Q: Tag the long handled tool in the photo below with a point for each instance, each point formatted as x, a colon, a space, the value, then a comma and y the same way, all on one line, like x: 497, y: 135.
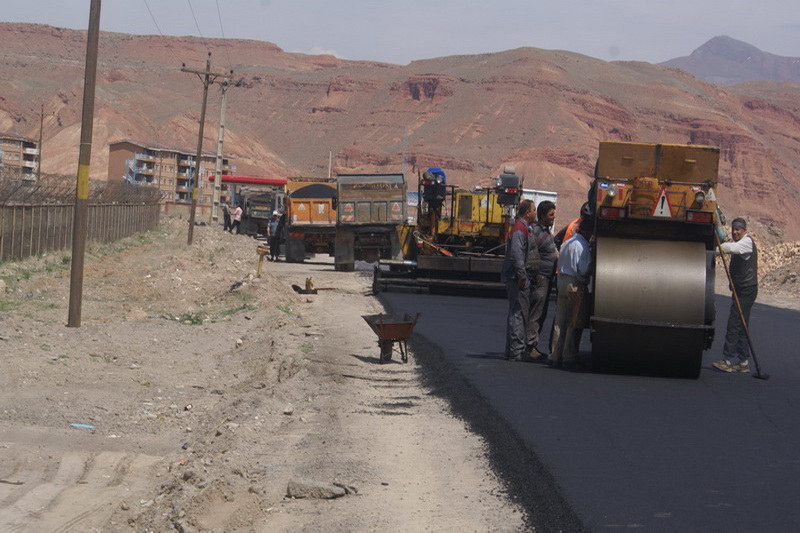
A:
x: 758, y: 374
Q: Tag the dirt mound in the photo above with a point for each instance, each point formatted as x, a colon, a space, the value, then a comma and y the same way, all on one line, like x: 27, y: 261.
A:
x: 778, y: 269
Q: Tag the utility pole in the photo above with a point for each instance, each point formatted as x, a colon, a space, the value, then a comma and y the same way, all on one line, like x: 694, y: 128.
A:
x: 81, y: 216
x: 207, y: 77
x: 41, y: 127
x: 220, y: 138
x: 405, y: 148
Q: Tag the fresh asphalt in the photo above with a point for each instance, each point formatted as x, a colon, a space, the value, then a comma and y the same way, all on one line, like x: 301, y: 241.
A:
x: 721, y: 453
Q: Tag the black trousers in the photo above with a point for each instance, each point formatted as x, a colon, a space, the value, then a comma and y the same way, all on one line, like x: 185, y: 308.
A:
x: 736, y: 345
x: 274, y: 247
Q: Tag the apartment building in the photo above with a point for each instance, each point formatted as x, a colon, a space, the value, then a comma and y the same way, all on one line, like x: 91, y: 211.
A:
x: 169, y: 168
x: 19, y: 153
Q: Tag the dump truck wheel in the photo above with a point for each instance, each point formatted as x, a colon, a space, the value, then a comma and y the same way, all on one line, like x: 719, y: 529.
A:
x: 295, y: 251
x: 344, y: 267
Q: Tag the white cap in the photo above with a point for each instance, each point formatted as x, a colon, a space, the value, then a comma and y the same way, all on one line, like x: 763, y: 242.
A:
x: 274, y: 213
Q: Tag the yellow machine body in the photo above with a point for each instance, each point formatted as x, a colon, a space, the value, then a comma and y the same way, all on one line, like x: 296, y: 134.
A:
x: 653, y: 300
x: 476, y: 217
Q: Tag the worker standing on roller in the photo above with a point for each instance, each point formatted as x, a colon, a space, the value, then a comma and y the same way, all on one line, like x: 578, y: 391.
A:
x: 517, y: 282
x: 574, y: 268
x: 744, y: 277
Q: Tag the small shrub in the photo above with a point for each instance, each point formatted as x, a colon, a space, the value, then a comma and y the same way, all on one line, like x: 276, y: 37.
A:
x: 286, y: 309
x: 192, y: 319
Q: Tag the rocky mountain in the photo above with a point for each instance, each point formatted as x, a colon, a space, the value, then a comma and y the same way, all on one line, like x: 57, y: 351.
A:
x: 542, y: 111
x: 726, y: 61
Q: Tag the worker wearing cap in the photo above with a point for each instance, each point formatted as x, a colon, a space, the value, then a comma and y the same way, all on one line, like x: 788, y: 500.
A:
x: 274, y: 236
x: 517, y: 282
x: 744, y: 278
x: 566, y: 233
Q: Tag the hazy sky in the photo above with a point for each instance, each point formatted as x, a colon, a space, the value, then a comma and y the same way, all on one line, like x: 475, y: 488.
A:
x: 402, y: 31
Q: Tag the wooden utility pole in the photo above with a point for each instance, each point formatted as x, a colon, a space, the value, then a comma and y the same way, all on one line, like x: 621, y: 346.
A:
x: 220, y: 139
x: 81, y: 216
x: 207, y: 77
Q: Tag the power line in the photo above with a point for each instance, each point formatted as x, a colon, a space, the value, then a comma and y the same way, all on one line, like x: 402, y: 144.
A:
x: 224, y: 42
x: 200, y: 33
x: 162, y: 33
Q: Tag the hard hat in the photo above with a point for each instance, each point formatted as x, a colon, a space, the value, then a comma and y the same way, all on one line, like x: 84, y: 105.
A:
x: 275, y: 213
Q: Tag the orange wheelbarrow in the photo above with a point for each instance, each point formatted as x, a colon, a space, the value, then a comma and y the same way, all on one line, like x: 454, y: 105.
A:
x: 392, y: 329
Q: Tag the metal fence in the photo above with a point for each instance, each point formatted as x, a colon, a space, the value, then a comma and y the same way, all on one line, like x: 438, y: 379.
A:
x: 36, y: 216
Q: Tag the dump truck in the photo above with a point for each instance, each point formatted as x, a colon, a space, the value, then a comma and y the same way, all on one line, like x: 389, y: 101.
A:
x: 653, y: 299
x: 310, y: 217
x: 258, y: 203
x: 459, y: 238
x: 370, y: 208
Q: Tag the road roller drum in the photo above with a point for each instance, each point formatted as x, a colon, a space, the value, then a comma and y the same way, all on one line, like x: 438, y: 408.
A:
x: 650, y: 310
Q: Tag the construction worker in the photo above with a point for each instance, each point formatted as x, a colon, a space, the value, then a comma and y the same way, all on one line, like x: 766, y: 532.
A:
x: 226, y: 216
x: 574, y: 268
x: 237, y: 219
x: 542, y: 241
x: 517, y: 282
x: 568, y: 231
x: 274, y: 236
x: 744, y: 278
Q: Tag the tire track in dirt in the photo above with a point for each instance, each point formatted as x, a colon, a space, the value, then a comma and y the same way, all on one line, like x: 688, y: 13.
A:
x: 79, y: 495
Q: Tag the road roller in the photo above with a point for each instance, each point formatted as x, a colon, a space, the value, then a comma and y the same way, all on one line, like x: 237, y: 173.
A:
x: 653, y: 296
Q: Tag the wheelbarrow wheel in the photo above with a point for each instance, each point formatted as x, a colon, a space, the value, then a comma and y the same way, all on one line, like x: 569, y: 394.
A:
x: 386, y: 350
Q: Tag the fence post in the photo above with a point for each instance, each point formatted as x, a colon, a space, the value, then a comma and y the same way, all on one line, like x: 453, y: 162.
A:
x: 48, y: 234
x: 39, y: 232
x: 22, y: 235
x: 2, y: 232
x: 13, y: 229
x: 25, y: 233
x: 90, y: 222
x: 30, y: 232
x: 67, y: 228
